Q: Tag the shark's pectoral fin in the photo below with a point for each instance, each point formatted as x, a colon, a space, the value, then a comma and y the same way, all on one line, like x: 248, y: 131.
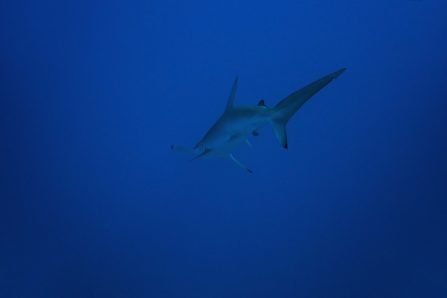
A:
x: 279, y: 127
x: 239, y: 164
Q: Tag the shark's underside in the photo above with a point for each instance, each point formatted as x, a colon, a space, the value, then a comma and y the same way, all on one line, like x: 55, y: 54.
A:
x: 237, y: 123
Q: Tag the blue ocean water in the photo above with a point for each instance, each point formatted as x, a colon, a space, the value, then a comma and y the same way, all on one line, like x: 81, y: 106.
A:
x: 94, y: 203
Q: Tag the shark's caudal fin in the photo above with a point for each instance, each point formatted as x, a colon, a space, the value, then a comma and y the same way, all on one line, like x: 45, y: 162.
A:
x: 232, y: 95
x: 287, y: 107
x: 279, y: 128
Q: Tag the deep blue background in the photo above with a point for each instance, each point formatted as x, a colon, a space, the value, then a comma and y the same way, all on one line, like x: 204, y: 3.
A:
x: 94, y: 204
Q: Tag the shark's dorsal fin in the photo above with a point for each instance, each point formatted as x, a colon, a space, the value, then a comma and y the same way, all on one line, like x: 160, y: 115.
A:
x: 261, y: 103
x: 232, y: 95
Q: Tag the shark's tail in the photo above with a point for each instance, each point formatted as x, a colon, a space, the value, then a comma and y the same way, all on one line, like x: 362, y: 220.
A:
x: 287, y: 107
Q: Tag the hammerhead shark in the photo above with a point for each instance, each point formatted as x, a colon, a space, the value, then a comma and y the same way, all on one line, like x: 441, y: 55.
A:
x: 237, y: 123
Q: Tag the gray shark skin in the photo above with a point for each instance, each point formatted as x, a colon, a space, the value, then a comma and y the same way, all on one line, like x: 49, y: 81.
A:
x: 238, y: 123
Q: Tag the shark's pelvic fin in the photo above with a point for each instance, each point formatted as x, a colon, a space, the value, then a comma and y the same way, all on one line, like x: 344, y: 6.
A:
x: 239, y: 164
x: 232, y: 95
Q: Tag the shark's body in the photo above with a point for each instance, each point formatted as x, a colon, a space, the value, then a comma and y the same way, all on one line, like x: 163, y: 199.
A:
x: 238, y: 123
